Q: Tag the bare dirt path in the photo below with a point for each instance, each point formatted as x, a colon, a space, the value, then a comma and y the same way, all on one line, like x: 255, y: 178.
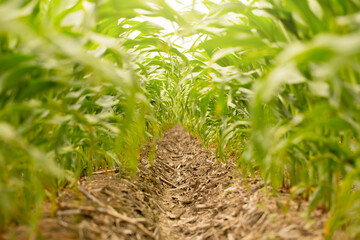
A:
x: 202, y: 200
x: 184, y: 194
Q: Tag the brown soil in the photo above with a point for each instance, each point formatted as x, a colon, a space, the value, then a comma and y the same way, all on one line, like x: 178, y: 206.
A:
x: 185, y: 194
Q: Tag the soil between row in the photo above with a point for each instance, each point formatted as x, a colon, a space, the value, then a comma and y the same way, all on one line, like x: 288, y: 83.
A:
x: 184, y: 194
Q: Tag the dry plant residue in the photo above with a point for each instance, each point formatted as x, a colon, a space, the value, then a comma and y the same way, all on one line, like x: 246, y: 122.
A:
x: 185, y: 194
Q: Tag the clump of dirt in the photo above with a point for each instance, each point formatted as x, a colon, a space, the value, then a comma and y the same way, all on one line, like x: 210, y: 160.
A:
x: 185, y: 194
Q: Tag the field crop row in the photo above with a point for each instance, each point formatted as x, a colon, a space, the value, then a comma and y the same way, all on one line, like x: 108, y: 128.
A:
x: 275, y: 83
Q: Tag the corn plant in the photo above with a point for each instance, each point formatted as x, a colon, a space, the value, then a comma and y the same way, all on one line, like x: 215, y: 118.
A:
x: 278, y: 86
x: 72, y: 96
